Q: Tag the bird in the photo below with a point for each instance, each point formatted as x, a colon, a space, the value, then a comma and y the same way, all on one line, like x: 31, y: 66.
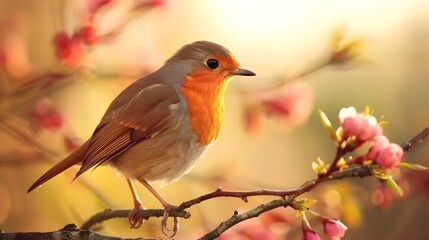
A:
x: 159, y: 126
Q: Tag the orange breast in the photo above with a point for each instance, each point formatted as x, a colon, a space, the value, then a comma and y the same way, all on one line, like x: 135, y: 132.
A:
x: 205, y: 100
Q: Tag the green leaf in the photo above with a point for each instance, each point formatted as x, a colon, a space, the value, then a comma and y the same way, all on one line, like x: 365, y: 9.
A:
x: 328, y: 126
x: 390, y: 183
x: 412, y: 166
x: 380, y: 174
x: 304, y: 203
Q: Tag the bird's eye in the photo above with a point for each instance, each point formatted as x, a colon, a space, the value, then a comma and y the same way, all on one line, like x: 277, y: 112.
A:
x: 212, y: 63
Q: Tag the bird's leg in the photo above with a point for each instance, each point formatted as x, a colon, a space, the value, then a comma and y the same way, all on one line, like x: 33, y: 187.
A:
x: 135, y: 222
x: 167, y: 207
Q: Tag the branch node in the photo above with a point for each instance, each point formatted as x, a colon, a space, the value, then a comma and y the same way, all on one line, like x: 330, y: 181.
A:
x: 235, y: 212
x: 69, y: 227
x: 219, y: 189
x: 244, y: 198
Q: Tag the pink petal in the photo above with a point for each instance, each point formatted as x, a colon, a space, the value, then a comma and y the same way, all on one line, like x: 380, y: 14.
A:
x: 334, y: 228
x: 390, y: 156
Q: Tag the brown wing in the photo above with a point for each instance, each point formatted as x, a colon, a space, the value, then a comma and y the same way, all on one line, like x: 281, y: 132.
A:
x: 147, y: 113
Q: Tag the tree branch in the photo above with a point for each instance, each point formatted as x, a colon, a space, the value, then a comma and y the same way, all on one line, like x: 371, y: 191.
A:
x: 415, y: 140
x: 67, y: 233
x: 146, y: 213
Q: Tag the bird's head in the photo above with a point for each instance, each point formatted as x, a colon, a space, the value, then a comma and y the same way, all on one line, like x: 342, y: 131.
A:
x: 208, y: 63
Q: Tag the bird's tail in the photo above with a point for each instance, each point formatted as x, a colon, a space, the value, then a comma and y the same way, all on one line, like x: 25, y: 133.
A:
x: 74, y: 158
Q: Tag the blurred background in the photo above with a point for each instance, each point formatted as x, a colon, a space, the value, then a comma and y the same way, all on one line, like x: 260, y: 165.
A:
x: 62, y: 63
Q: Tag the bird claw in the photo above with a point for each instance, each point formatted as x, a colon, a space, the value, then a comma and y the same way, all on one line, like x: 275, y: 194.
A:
x: 164, y: 224
x: 135, y: 221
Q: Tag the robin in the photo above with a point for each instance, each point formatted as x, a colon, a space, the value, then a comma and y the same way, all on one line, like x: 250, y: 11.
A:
x: 157, y: 128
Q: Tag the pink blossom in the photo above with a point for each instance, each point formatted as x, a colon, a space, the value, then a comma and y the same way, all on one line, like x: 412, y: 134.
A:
x: 253, y: 120
x: 389, y: 156
x: 309, y: 234
x: 383, y: 153
x: 88, y: 35
x: 334, y: 228
x: 46, y: 116
x: 291, y: 105
x: 157, y: 3
x: 363, y: 127
x: 347, y: 112
x: 150, y: 3
x: 383, y: 197
x: 379, y: 143
x: 68, y: 49
x: 95, y: 5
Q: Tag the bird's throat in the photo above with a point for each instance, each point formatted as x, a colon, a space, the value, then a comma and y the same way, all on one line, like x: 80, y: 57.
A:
x: 205, y: 101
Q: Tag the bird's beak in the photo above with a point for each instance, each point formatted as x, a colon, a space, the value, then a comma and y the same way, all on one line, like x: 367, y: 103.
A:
x: 242, y: 72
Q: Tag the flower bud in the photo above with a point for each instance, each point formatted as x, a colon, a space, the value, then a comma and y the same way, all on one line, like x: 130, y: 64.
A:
x: 390, y: 156
x: 309, y: 234
x: 334, y: 228
x: 46, y: 116
x: 94, y: 5
x: 68, y: 49
x: 88, y: 35
x: 358, y: 125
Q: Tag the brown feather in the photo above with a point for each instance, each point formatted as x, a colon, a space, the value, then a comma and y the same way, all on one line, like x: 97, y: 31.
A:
x: 74, y: 158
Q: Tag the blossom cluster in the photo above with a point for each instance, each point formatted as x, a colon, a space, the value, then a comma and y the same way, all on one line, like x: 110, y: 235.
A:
x: 69, y: 48
x: 355, y: 130
x: 358, y: 128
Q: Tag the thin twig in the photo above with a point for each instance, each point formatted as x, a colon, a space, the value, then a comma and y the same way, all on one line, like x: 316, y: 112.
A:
x: 415, y: 140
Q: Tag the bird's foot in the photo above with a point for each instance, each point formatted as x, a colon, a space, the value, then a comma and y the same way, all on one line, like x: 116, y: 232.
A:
x: 134, y: 220
x: 164, y: 228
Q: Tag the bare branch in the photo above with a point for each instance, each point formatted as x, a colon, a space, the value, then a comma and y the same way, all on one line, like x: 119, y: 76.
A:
x: 147, y: 213
x: 415, y: 140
